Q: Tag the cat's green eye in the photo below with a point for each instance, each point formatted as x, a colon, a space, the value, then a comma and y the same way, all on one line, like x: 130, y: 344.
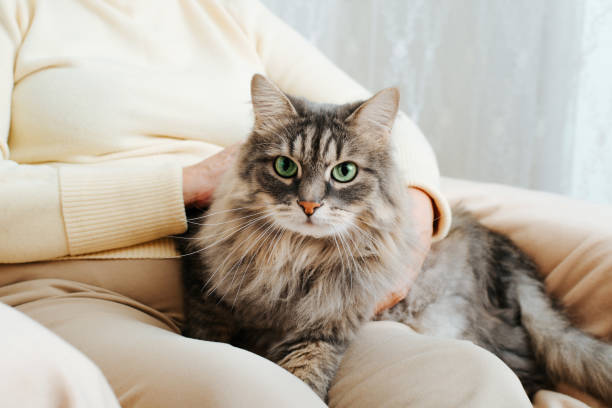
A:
x: 285, y: 167
x: 344, y: 172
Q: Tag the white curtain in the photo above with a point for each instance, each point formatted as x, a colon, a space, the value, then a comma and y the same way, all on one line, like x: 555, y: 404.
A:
x: 510, y: 91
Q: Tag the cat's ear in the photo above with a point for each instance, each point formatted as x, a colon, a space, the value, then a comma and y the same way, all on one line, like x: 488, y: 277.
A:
x: 377, y: 114
x: 270, y: 104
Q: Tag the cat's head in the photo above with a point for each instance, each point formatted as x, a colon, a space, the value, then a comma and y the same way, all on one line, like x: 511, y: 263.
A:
x: 319, y: 170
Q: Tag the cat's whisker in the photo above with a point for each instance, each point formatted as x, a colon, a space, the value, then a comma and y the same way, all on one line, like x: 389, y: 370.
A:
x: 228, y: 256
x: 414, y: 244
x: 358, y: 263
x: 218, y: 212
x: 350, y: 237
x: 233, y: 231
x: 275, y: 240
x: 264, y: 238
x: 375, y: 227
x: 352, y: 259
x: 222, y: 264
x: 230, y: 220
x: 246, y: 223
x: 338, y: 247
x: 234, y: 269
x: 371, y: 239
x: 219, y: 223
x: 207, y: 214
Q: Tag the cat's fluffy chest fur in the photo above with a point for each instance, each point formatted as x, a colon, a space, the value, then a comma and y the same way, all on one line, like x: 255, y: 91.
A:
x: 275, y: 279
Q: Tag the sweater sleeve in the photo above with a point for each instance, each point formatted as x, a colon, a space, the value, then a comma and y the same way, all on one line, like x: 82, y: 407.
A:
x: 298, y: 68
x: 53, y: 211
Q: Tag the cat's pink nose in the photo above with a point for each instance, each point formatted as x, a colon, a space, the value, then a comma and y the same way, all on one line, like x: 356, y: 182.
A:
x: 309, y: 207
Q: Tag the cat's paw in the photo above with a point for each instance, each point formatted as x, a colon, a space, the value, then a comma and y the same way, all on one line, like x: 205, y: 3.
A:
x: 318, y: 384
x: 314, y: 362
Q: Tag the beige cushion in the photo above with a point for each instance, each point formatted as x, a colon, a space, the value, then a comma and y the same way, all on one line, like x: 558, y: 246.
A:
x: 570, y: 240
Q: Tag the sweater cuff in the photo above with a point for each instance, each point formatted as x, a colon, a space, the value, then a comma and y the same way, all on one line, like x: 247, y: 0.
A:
x: 442, y: 211
x: 106, y: 208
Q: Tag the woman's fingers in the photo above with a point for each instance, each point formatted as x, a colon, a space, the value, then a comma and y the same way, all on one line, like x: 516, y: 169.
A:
x: 392, y: 299
x: 201, y: 179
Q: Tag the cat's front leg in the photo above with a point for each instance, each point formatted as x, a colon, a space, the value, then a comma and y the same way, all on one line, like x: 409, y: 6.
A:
x: 208, y: 319
x: 314, y: 361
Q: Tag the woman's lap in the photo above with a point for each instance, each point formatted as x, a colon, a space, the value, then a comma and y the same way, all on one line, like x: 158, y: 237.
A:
x: 148, y: 363
x: 390, y: 365
x: 41, y: 370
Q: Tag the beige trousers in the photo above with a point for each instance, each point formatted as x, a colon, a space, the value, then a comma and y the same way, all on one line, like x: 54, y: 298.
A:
x: 125, y: 317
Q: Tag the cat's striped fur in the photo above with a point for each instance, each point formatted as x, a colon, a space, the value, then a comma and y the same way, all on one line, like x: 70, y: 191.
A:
x: 264, y: 277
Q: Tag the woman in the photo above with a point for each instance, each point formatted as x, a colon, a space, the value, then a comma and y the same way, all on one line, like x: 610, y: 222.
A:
x: 108, y: 108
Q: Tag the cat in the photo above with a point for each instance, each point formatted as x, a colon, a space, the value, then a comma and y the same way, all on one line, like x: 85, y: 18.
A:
x: 310, y: 229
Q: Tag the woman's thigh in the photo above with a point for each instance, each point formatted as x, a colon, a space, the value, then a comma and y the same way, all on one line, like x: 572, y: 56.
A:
x: 41, y: 370
x: 149, y: 364
x: 389, y: 365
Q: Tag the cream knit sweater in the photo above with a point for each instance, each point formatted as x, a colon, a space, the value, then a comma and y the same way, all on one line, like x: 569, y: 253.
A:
x: 102, y: 102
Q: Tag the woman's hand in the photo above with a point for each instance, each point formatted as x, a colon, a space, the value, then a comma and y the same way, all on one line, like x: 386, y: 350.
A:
x: 422, y: 218
x: 200, y: 179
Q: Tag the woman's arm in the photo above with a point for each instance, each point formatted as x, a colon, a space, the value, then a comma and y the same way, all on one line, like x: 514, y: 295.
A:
x: 48, y: 212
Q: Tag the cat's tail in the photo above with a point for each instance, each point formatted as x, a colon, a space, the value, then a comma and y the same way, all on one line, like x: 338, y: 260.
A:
x: 567, y: 353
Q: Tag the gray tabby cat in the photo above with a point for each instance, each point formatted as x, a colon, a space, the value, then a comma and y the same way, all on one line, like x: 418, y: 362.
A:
x: 310, y: 229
